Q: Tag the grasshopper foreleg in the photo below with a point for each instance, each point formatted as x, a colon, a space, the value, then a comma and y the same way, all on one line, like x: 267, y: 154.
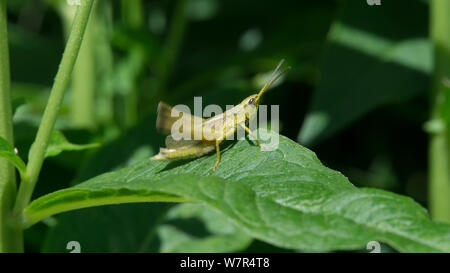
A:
x: 251, y: 133
x: 218, y: 141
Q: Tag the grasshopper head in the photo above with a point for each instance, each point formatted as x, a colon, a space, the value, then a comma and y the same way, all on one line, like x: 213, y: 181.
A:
x: 250, y: 105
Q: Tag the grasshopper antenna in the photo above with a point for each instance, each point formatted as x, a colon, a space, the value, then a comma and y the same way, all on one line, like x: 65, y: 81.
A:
x: 273, y: 78
x: 273, y: 73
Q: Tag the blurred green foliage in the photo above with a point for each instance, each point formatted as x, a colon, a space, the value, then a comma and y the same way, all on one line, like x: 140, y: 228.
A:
x: 356, y: 94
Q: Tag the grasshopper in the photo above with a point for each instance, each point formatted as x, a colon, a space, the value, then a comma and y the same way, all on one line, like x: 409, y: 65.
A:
x: 212, y: 130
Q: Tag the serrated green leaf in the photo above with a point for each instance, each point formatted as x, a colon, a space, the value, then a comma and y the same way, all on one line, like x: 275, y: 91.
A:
x: 285, y: 197
x: 59, y: 143
x: 7, y: 151
x: 184, y: 228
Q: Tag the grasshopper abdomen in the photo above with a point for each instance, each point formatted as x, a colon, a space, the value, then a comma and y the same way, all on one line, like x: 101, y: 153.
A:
x: 185, y: 152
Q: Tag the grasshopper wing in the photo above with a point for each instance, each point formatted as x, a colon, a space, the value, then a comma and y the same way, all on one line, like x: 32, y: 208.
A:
x: 167, y: 116
x: 172, y: 143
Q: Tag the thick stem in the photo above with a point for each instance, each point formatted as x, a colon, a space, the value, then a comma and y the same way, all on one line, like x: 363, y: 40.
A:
x: 37, y: 152
x: 439, y: 157
x: 11, y: 239
x: 82, y: 108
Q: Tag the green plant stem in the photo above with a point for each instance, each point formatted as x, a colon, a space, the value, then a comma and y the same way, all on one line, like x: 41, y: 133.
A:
x: 82, y: 108
x: 37, y: 152
x: 11, y: 239
x: 172, y: 46
x: 439, y: 149
x: 104, y: 52
x: 132, y: 13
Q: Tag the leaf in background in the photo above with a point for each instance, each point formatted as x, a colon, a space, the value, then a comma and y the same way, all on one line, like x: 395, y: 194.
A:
x: 16, y: 103
x: 7, y: 151
x: 296, y: 32
x: 371, y: 59
x: 36, y: 97
x: 198, y: 228
x: 146, y: 228
x: 104, y: 229
x: 142, y: 140
x: 59, y: 143
x: 285, y: 197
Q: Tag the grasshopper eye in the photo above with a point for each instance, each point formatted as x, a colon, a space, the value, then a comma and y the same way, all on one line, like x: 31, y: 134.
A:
x: 251, y: 101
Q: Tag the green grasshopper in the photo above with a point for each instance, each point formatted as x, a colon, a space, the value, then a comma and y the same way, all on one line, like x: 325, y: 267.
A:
x: 212, y: 130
